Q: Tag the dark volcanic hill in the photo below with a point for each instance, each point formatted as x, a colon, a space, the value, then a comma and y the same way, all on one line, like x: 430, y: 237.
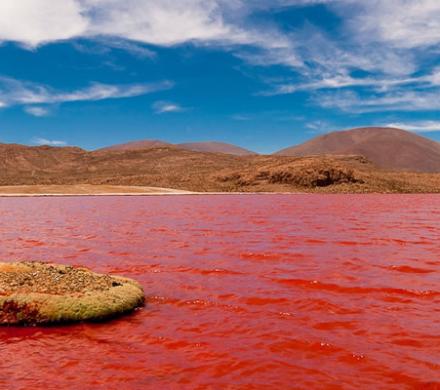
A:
x: 216, y: 147
x: 387, y: 148
x: 136, y: 145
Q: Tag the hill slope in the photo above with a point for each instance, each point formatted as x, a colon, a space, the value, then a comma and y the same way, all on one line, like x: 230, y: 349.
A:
x: 209, y: 147
x: 31, y: 165
x: 386, y: 147
x: 136, y: 145
x: 216, y: 147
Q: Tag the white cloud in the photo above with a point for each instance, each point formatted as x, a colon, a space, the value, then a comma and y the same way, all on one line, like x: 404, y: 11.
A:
x: 419, y: 127
x: 411, y: 100
x: 48, y: 142
x: 381, y: 38
x: 17, y: 92
x: 400, y: 23
x: 332, y: 82
x: 162, y: 107
x: 33, y: 22
x: 163, y: 23
x: 378, y: 37
x: 226, y: 22
x: 166, y: 23
x: 403, y: 23
x: 345, y: 81
x: 37, y: 111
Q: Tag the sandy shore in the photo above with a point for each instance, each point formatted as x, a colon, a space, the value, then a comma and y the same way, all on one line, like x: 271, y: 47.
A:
x: 109, y: 190
x: 85, y: 189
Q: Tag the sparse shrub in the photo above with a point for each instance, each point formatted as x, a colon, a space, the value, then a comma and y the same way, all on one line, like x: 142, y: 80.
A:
x: 311, y: 177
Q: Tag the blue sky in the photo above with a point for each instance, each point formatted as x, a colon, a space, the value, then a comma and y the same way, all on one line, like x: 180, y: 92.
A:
x: 260, y: 74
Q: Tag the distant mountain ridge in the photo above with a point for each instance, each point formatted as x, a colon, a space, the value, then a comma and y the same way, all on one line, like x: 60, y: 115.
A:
x: 387, y: 148
x: 136, y: 145
x: 208, y: 147
x: 216, y: 147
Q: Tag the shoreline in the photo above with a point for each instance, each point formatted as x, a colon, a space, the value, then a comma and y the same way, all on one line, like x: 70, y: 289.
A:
x: 84, y: 190
x: 132, y: 194
x: 78, y: 190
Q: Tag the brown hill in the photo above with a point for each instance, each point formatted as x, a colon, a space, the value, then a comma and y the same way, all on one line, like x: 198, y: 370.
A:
x: 136, y: 145
x: 172, y: 167
x: 209, y: 147
x: 216, y: 147
x: 32, y: 164
x: 386, y: 147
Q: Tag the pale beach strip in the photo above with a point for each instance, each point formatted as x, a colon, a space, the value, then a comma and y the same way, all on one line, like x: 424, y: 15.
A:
x: 109, y: 190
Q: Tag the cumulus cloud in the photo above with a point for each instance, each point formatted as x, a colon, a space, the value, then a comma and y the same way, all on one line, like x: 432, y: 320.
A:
x: 17, y: 92
x: 33, y: 22
x: 163, y: 107
x: 43, y: 141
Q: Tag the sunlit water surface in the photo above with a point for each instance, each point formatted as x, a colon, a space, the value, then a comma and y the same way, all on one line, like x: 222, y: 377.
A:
x: 252, y: 292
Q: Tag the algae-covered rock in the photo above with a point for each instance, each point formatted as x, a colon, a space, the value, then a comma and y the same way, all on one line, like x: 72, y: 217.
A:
x: 34, y: 293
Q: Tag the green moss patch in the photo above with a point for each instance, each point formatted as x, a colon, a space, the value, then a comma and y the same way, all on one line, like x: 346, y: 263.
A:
x: 33, y: 293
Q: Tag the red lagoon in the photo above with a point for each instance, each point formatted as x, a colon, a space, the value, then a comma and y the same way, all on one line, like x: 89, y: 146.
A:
x: 243, y: 292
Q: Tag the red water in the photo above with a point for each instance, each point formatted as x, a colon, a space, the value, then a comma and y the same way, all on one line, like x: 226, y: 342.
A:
x: 244, y: 292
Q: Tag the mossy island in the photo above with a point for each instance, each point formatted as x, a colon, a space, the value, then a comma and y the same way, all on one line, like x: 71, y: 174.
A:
x: 36, y: 293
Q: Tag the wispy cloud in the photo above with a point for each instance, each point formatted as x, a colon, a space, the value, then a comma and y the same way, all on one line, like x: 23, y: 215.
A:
x: 337, y: 82
x: 350, y: 101
x: 319, y: 126
x: 104, y: 45
x: 17, y: 92
x: 37, y: 111
x: 134, y: 48
x: 419, y: 127
x: 163, y: 107
x: 399, y: 23
x: 43, y: 141
x: 241, y: 117
x: 345, y: 81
